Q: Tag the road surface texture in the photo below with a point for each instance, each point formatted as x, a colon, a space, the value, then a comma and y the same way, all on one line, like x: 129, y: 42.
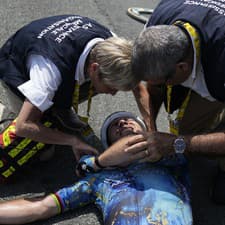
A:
x: 59, y: 171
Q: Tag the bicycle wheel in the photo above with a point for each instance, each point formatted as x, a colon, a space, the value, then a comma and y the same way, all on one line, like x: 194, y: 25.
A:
x: 138, y: 13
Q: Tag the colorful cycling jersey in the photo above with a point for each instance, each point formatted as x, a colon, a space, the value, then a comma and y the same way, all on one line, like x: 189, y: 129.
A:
x: 144, y: 193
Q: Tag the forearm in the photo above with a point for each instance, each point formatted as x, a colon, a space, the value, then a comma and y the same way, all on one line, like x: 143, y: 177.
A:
x: 156, y: 99
x: 212, y: 144
x: 115, y: 155
x: 29, y: 125
x: 23, y: 211
x: 143, y: 102
x: 148, y: 101
x: 40, y: 133
x: 105, y: 159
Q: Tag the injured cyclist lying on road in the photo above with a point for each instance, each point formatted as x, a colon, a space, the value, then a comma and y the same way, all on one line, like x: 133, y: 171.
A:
x: 125, y: 189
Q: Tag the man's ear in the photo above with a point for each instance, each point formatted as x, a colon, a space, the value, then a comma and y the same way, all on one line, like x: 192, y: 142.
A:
x: 183, y: 67
x: 182, y: 72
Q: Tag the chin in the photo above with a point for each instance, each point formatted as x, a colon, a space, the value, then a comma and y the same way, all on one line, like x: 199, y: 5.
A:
x: 127, y: 133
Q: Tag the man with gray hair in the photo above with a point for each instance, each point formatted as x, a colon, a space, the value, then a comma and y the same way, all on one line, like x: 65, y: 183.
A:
x: 180, y: 54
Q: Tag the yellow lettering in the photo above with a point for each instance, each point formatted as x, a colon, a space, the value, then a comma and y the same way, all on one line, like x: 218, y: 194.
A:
x: 9, y: 172
x: 32, y: 152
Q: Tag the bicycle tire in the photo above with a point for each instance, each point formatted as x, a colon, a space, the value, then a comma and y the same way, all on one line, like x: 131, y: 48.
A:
x: 136, y: 13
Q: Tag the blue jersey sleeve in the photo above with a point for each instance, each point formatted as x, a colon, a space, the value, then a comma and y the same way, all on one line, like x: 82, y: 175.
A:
x: 77, y: 195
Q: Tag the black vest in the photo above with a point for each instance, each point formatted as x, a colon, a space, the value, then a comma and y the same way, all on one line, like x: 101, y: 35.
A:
x: 61, y: 39
x: 209, y: 20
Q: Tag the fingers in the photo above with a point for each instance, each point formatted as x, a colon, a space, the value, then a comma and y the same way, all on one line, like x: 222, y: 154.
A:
x: 135, y: 148
x: 135, y: 139
x: 145, y: 155
x: 139, y: 156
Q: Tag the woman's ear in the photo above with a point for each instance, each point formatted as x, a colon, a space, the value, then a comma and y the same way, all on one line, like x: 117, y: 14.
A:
x: 94, y: 67
x: 94, y: 72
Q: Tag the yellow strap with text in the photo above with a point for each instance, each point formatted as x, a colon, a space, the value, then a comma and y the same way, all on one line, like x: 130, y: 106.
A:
x: 174, y: 124
x: 76, y: 101
x: 18, y: 148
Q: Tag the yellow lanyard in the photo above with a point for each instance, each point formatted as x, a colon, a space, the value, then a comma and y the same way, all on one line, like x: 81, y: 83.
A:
x: 76, y: 101
x: 174, y: 123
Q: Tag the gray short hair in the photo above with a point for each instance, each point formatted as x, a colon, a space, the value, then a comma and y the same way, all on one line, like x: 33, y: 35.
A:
x: 114, y: 58
x: 157, y: 50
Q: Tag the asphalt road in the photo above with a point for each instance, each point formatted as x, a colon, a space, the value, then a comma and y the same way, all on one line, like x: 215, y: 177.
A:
x: 49, y: 176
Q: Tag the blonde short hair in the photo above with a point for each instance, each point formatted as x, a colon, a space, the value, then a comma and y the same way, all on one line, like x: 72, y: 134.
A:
x: 114, y: 58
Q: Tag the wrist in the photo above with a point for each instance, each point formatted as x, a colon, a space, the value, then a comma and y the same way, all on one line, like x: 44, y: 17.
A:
x: 98, y: 164
x: 73, y: 141
x: 101, y: 161
x: 180, y: 144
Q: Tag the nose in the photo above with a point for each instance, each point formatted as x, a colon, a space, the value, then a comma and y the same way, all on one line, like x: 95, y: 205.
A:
x: 122, y: 122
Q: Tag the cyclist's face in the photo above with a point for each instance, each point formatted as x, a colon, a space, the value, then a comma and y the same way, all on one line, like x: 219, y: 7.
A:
x: 122, y: 127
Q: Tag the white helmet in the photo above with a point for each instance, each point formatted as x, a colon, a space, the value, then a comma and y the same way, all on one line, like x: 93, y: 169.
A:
x: 111, y: 118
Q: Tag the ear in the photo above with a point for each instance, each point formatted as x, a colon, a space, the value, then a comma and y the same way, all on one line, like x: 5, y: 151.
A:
x: 181, y: 73
x: 94, y: 72
x: 94, y: 67
x: 183, y: 67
